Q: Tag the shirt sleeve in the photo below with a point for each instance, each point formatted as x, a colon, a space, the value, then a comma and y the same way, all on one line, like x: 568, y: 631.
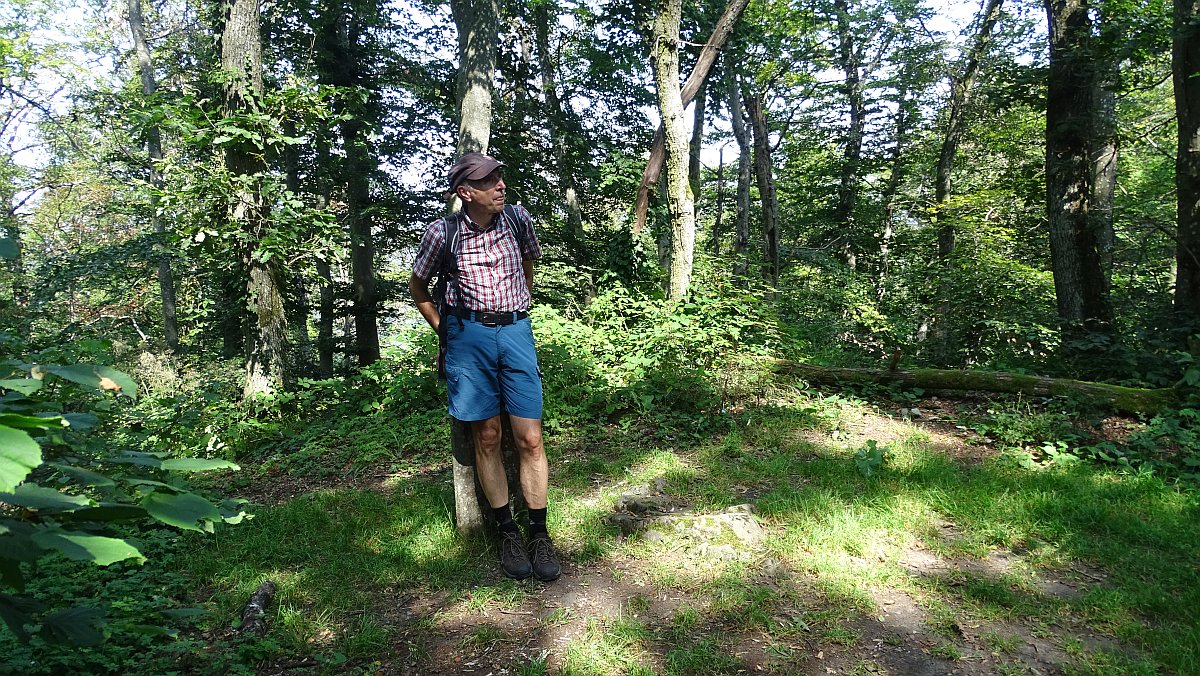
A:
x: 532, y: 250
x: 429, y: 253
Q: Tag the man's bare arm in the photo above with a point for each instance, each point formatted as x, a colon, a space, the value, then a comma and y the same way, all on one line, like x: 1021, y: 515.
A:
x: 419, y: 288
x: 528, y: 265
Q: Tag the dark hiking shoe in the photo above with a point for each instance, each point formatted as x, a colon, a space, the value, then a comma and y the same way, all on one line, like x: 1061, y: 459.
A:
x: 513, y: 559
x: 545, y: 561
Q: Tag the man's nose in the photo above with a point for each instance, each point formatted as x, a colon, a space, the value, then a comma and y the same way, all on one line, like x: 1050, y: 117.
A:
x: 500, y: 185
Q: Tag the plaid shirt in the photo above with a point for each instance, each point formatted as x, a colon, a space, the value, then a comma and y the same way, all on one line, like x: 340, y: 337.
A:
x: 490, y: 274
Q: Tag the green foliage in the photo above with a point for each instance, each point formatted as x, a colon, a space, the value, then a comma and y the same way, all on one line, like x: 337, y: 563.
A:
x: 70, y: 490
x: 871, y: 458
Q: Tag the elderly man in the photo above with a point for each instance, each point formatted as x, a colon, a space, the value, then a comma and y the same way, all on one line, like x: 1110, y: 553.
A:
x: 490, y: 363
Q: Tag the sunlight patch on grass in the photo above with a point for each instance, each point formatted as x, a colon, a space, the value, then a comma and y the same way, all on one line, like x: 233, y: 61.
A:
x: 608, y: 647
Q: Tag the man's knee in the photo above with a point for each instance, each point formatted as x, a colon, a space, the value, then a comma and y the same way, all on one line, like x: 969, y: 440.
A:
x: 487, y: 435
x: 528, y: 437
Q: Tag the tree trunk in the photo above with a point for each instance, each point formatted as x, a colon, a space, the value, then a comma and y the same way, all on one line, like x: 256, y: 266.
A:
x: 1080, y: 285
x: 665, y: 57
x: 241, y: 59
x: 848, y: 61
x: 1185, y: 63
x: 1124, y: 399
x: 478, y: 24
x: 556, y: 118
x: 741, y: 230
x: 166, y: 281
x: 904, y: 115
x: 325, y: 345
x: 697, y: 144
x: 764, y: 173
x: 720, y: 206
x: 960, y: 97
x: 297, y: 286
x: 1104, y: 167
x: 704, y: 64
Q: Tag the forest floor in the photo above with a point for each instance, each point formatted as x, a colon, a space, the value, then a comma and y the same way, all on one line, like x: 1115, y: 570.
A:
x: 778, y: 547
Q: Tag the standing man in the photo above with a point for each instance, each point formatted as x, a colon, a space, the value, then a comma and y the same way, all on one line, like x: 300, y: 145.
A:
x: 490, y: 361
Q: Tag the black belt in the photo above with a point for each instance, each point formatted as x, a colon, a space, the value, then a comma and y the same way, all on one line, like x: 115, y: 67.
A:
x: 489, y: 318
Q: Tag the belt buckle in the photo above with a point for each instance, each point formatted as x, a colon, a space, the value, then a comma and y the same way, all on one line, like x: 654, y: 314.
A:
x: 488, y: 318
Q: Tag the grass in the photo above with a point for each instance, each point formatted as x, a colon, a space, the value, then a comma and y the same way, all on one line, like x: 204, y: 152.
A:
x: 346, y: 560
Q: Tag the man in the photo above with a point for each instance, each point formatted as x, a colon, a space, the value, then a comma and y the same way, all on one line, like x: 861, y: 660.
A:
x: 490, y: 362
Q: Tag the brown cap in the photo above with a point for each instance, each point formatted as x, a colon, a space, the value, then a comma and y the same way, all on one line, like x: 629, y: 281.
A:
x: 472, y: 167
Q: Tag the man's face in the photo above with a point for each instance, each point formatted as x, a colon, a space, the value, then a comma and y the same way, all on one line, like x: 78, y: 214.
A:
x: 487, y: 193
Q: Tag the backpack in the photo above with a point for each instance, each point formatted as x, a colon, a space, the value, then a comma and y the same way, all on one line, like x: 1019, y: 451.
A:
x: 448, y: 270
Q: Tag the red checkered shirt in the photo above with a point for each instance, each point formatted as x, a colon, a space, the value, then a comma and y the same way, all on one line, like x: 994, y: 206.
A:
x: 490, y: 274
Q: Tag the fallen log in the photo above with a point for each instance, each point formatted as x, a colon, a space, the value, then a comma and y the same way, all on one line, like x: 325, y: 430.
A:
x: 1123, y: 399
x: 253, y: 621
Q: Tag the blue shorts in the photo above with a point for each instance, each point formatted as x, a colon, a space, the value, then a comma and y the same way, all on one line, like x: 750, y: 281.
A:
x: 492, y: 367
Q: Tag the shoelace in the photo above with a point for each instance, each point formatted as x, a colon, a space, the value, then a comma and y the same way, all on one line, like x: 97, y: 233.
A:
x: 543, y: 551
x: 512, y: 543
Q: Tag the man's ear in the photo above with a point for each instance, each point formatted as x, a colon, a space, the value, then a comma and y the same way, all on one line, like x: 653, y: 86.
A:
x: 463, y: 193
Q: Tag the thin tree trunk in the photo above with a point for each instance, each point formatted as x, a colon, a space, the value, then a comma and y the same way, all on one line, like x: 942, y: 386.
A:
x: 679, y: 199
x: 166, y: 281
x: 298, y: 318
x: 741, y: 229
x: 903, y: 122
x: 325, y: 346
x: 241, y: 58
x: 1080, y: 285
x: 1185, y: 63
x: 704, y: 64
x: 1104, y: 154
x: 720, y: 206
x: 696, y: 144
x: 556, y: 118
x: 960, y: 98
x: 848, y: 61
x: 764, y: 173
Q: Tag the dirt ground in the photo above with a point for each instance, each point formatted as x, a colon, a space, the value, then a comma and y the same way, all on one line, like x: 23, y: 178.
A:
x: 441, y: 635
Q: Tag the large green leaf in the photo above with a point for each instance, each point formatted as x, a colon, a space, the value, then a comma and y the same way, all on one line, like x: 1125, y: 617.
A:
x: 25, y: 386
x: 83, y: 547
x: 31, y: 422
x: 84, y: 476
x: 33, y: 496
x: 15, y: 611
x: 182, y: 510
x: 197, y: 464
x: 113, y: 511
x: 81, y: 422
x: 98, y: 377
x: 78, y: 626
x: 9, y: 248
x: 19, y: 454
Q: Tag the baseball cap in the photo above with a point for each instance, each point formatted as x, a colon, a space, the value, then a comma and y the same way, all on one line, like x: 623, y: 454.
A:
x: 472, y: 167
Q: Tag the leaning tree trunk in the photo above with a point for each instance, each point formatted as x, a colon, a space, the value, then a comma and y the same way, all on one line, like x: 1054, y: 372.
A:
x: 670, y: 105
x: 1185, y: 63
x: 704, y: 64
x: 741, y: 230
x: 166, y: 281
x: 1080, y: 285
x: 241, y: 59
x: 764, y: 173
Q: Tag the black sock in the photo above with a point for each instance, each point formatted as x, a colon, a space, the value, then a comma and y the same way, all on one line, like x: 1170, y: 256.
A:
x: 504, y: 520
x: 537, y: 522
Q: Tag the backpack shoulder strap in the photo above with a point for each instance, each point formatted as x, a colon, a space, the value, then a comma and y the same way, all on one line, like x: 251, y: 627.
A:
x: 517, y: 225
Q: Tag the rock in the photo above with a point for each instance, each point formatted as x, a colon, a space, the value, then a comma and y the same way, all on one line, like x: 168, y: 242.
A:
x: 914, y: 412
x: 653, y: 536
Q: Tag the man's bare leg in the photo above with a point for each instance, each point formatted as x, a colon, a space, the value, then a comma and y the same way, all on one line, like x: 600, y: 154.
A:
x: 535, y: 471
x: 489, y: 460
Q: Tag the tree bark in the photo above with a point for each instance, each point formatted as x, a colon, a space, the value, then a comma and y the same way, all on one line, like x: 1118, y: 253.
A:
x: 764, y: 174
x: 1080, y: 285
x: 719, y: 209
x: 241, y: 59
x: 1124, y: 399
x: 1185, y: 63
x: 325, y: 345
x: 741, y: 230
x: 697, y: 144
x: 166, y: 281
x: 704, y: 64
x: 478, y: 24
x: 665, y: 56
